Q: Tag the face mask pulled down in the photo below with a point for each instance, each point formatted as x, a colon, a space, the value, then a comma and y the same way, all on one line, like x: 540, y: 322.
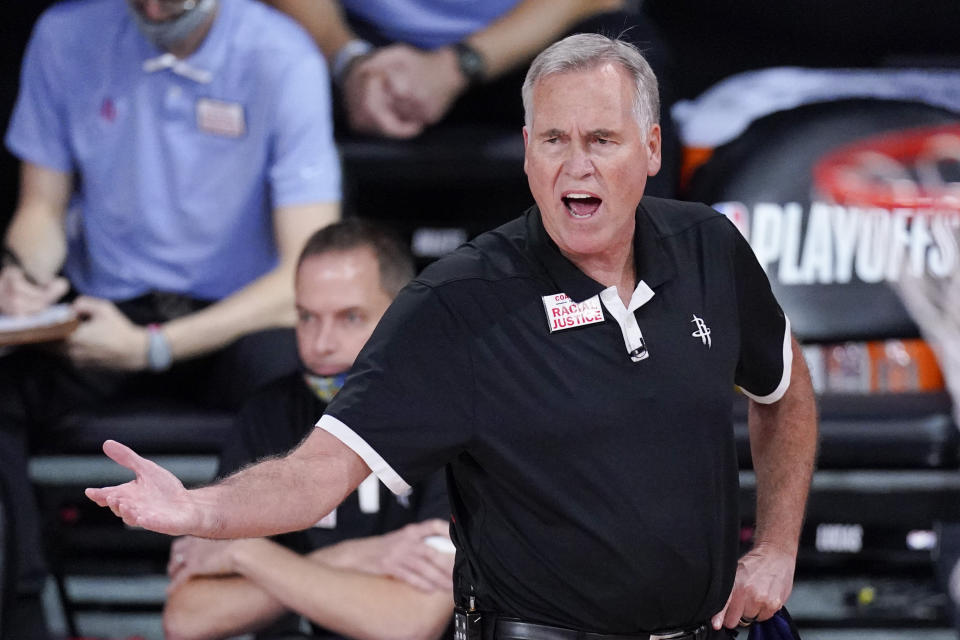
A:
x: 325, y: 387
x: 166, y: 34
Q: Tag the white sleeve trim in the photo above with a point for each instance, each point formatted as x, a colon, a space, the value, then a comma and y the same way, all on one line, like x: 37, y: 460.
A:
x: 781, y: 389
x: 358, y: 445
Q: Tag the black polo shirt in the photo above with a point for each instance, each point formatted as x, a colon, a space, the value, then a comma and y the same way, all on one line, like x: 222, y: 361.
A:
x: 592, y: 472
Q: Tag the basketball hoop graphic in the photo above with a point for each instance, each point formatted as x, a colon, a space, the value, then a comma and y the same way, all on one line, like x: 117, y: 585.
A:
x: 909, y: 183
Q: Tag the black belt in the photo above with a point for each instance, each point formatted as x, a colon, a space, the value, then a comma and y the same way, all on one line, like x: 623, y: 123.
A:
x: 512, y: 629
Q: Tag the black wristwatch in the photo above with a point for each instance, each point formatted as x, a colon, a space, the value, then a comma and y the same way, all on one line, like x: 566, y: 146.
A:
x: 471, y: 62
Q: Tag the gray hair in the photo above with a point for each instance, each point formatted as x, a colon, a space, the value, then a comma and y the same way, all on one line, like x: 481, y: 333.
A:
x: 583, y: 51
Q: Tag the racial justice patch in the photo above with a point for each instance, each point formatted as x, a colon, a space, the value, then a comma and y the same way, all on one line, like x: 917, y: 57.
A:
x: 564, y: 313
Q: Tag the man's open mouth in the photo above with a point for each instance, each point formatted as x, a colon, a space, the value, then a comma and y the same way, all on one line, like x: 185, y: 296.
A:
x: 581, y: 205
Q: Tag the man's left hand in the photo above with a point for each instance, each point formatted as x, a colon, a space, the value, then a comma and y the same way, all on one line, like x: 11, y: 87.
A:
x: 763, y: 584
x: 402, y: 554
x: 190, y: 557
x: 423, y: 83
x: 430, y: 85
x: 106, y: 338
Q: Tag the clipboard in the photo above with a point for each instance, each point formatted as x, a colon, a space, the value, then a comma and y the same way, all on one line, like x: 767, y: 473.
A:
x: 51, y: 324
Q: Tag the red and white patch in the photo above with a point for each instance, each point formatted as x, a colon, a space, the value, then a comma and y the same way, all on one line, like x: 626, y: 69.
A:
x: 221, y: 118
x: 564, y: 313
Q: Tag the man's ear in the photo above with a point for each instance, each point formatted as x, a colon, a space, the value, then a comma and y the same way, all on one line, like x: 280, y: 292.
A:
x: 526, y: 142
x: 654, y: 159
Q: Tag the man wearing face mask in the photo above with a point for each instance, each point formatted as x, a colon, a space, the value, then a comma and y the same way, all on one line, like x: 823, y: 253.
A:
x: 174, y: 156
x: 366, y: 569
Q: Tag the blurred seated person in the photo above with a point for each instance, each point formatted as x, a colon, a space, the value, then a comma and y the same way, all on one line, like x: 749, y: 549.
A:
x: 174, y: 157
x: 403, y: 65
x: 364, y: 571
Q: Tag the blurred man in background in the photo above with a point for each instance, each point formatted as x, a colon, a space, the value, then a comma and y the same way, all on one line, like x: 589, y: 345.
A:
x: 364, y: 570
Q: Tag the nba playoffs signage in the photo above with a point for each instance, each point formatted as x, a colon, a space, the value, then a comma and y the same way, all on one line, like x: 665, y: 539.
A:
x: 821, y: 243
x: 844, y: 203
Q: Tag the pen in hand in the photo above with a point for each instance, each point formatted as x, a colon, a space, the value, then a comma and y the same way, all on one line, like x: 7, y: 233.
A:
x: 22, y: 293
x: 11, y: 258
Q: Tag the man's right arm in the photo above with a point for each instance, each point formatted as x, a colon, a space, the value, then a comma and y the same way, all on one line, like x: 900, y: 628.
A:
x: 37, y: 238
x: 206, y: 608
x: 274, y: 496
x: 274, y: 580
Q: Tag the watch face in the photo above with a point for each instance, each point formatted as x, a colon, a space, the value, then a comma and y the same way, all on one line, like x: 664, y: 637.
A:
x: 471, y: 62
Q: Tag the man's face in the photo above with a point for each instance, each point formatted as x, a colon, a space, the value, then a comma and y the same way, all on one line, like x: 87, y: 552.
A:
x: 587, y: 159
x: 161, y: 10
x: 339, y: 302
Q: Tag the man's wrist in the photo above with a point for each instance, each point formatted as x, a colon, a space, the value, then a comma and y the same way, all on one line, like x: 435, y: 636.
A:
x: 763, y: 545
x: 348, y: 55
x: 240, y: 553
x: 341, y: 555
x: 472, y: 64
x: 159, y: 351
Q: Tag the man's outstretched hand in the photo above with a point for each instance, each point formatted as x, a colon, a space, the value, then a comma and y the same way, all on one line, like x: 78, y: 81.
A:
x: 154, y: 500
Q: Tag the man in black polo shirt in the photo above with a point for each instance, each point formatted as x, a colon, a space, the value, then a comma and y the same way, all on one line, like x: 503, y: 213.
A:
x: 366, y: 569
x: 573, y: 370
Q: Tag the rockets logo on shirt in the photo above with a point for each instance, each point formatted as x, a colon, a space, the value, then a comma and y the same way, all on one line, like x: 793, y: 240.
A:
x: 564, y: 313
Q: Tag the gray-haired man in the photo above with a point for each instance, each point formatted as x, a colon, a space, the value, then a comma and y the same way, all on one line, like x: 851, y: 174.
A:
x: 572, y: 369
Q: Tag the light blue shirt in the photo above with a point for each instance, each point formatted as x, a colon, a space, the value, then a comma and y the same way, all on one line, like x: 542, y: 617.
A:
x: 428, y: 24
x: 176, y: 178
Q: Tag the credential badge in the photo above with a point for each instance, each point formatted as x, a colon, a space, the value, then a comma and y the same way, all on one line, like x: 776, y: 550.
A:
x: 221, y: 118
